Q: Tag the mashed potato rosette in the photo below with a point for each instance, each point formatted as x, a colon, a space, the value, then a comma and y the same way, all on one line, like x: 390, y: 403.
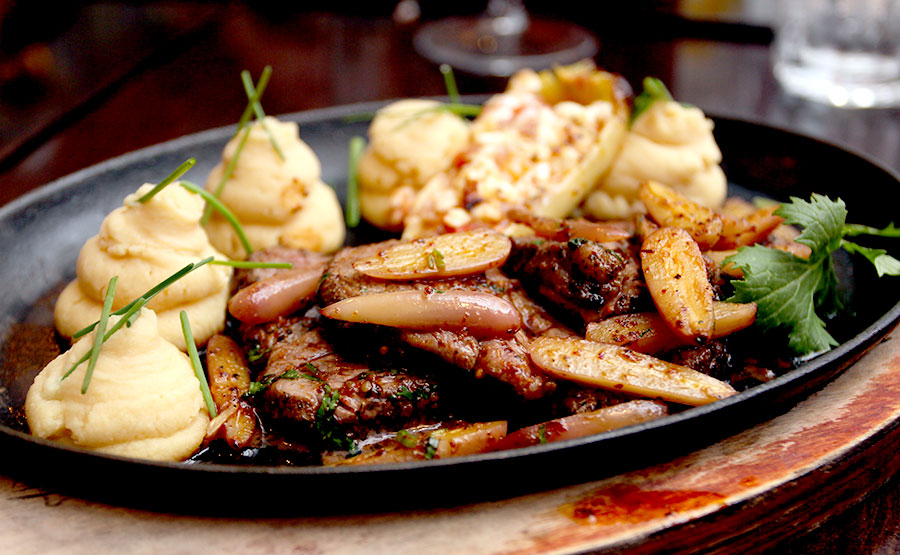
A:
x: 410, y: 141
x: 144, y: 400
x: 670, y: 143
x: 278, y: 201
x: 144, y: 243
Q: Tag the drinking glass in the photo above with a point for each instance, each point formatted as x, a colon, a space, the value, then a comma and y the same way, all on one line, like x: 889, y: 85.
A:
x: 503, y: 40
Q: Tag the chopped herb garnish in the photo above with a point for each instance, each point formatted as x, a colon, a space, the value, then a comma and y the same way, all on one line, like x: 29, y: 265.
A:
x: 351, y: 210
x: 179, y: 171
x: 654, y: 90
x: 266, y: 381
x: 223, y: 210
x: 101, y: 331
x: 407, y: 439
x: 254, y: 354
x: 326, y: 425
x: 542, y: 434
x: 195, y: 363
x: 435, y: 260
x: 576, y: 242
x: 257, y: 107
x: 406, y: 393
x: 431, y: 446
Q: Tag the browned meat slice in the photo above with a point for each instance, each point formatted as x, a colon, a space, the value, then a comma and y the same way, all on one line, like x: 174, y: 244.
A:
x: 314, y: 385
x: 713, y: 358
x: 589, y: 278
x: 505, y: 359
x: 299, y: 258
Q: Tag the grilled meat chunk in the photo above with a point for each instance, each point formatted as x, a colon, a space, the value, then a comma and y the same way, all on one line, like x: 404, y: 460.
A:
x: 505, y: 359
x: 312, y: 382
x: 578, y: 276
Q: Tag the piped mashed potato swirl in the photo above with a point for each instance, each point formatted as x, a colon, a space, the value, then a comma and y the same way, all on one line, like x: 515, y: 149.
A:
x: 144, y: 400
x: 144, y: 243
x: 277, y: 201
x: 670, y: 143
x: 410, y: 141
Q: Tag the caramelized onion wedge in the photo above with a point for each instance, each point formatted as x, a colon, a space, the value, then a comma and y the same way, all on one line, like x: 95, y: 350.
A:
x: 749, y: 230
x: 585, y: 424
x: 279, y: 295
x: 451, y: 254
x: 676, y: 278
x: 482, y: 314
x: 646, y: 332
x: 229, y: 380
x: 455, y: 442
x: 620, y: 369
x: 670, y: 208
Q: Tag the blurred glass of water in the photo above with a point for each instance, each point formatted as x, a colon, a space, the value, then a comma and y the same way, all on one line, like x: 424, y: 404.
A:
x: 841, y: 52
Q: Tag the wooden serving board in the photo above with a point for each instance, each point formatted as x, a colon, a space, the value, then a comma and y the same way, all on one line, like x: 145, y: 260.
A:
x: 745, y: 493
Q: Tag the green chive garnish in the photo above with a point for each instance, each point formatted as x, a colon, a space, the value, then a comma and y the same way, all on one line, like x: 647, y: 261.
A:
x: 152, y: 292
x: 179, y: 171
x: 252, y: 265
x: 254, y: 98
x: 226, y: 175
x: 101, y: 331
x: 450, y: 83
x: 135, y: 309
x: 223, y: 210
x: 195, y: 363
x: 257, y: 108
x: 351, y: 211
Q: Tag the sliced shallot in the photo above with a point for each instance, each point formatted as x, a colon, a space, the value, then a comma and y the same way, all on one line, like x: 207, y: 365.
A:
x: 448, y: 255
x: 278, y: 295
x: 620, y: 369
x: 585, y: 424
x: 482, y: 314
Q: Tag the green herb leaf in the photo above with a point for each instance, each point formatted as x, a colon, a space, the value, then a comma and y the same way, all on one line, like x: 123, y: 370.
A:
x: 223, y: 210
x: 101, y: 331
x: 852, y: 230
x: 788, y: 290
x: 328, y: 428
x: 179, y: 171
x: 435, y: 260
x: 195, y: 363
x: 542, y: 434
x: 266, y: 381
x: 884, y: 263
x: 407, y: 439
x: 654, y: 90
x: 431, y: 446
x: 351, y: 210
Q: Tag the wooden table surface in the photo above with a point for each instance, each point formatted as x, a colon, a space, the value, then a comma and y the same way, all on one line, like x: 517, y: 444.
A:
x: 109, y: 79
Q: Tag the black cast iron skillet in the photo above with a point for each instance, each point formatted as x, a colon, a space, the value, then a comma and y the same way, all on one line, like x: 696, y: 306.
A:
x: 41, y: 234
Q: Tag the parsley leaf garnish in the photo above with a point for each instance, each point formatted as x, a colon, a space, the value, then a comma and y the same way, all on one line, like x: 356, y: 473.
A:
x: 327, y: 426
x: 788, y: 290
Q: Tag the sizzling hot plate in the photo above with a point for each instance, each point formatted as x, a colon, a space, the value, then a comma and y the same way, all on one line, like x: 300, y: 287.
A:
x: 42, y: 233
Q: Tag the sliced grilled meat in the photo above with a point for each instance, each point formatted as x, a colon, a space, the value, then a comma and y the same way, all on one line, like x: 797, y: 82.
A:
x: 330, y: 393
x: 505, y: 359
x: 579, y: 276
